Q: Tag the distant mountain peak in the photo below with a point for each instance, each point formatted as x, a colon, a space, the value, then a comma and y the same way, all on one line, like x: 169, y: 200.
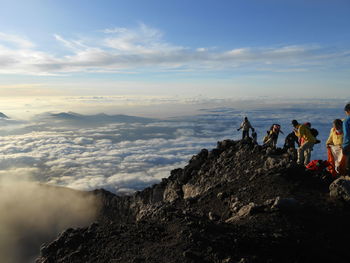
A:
x: 80, y: 119
x: 69, y: 114
x: 3, y: 116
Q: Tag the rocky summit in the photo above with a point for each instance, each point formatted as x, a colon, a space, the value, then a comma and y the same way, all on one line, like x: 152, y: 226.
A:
x: 239, y: 202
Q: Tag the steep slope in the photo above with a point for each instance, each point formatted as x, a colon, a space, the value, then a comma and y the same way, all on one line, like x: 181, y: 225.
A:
x: 237, y: 203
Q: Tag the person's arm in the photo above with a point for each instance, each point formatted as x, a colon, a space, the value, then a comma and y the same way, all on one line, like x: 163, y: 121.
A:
x: 297, y: 132
x: 346, y: 131
x: 330, y: 138
x: 250, y: 126
x: 296, y: 139
x: 240, y: 127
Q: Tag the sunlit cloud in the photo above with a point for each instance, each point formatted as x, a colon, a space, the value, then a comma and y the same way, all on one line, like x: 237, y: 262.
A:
x: 121, y: 157
x: 145, y: 48
x: 82, y: 152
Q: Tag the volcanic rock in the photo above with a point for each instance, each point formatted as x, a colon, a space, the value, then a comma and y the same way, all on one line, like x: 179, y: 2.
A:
x: 235, y: 203
x: 340, y: 188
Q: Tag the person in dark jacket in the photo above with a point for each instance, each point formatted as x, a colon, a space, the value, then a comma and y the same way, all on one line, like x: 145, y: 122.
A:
x: 346, y: 138
x: 254, y: 136
x: 290, y: 141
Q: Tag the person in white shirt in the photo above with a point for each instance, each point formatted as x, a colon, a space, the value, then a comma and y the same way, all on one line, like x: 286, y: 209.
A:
x: 245, y: 126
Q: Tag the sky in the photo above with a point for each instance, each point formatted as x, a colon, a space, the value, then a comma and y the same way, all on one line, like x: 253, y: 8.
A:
x: 215, y: 49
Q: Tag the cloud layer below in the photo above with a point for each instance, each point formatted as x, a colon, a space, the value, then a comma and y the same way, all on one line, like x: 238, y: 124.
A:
x: 124, y: 156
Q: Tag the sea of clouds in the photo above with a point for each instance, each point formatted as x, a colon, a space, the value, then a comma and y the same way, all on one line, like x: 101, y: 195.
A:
x: 119, y: 153
x: 124, y: 154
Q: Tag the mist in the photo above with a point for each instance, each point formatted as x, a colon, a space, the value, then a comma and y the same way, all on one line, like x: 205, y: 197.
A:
x: 32, y: 214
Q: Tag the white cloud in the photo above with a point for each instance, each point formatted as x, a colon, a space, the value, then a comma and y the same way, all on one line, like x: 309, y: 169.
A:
x: 15, y: 40
x: 74, y: 45
x: 90, y: 158
x: 144, y: 48
x: 143, y: 40
x: 202, y: 49
x: 115, y: 30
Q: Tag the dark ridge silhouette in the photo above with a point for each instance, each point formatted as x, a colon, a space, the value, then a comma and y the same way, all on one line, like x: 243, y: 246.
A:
x: 79, y: 119
x: 3, y: 116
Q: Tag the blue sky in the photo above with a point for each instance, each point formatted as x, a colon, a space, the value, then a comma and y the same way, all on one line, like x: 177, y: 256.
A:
x: 213, y: 48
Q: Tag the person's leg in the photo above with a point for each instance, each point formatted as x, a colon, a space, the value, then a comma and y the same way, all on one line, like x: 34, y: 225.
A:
x: 307, y: 156
x: 244, y: 134
x: 337, y: 154
x: 307, y: 153
x: 347, y: 164
x: 331, y: 159
x: 274, y: 142
x: 301, y: 155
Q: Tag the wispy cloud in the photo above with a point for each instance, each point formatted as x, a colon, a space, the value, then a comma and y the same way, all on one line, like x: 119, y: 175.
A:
x: 115, y: 30
x: 73, y: 45
x: 145, y: 49
x: 16, y: 41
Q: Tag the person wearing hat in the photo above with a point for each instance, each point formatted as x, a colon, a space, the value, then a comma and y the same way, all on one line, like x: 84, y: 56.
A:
x: 307, y: 142
x: 346, y: 139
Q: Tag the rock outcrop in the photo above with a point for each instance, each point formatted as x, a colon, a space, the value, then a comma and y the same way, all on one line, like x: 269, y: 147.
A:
x: 236, y: 203
x: 340, y: 188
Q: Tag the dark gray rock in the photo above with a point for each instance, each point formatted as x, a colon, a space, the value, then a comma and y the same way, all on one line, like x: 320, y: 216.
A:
x: 226, y: 205
x: 340, y: 189
x: 285, y: 204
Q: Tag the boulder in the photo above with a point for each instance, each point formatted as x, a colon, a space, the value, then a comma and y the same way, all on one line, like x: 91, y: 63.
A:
x: 172, y: 192
x: 243, y: 212
x: 340, y: 188
x: 190, y: 191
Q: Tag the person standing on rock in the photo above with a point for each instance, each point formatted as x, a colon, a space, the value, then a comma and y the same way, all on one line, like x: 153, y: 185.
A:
x: 307, y: 142
x: 245, y: 126
x: 334, y: 148
x: 346, y: 138
x: 272, y: 136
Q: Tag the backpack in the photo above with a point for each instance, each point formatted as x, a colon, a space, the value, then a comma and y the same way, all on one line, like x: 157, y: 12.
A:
x: 290, y: 140
x: 317, y: 165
